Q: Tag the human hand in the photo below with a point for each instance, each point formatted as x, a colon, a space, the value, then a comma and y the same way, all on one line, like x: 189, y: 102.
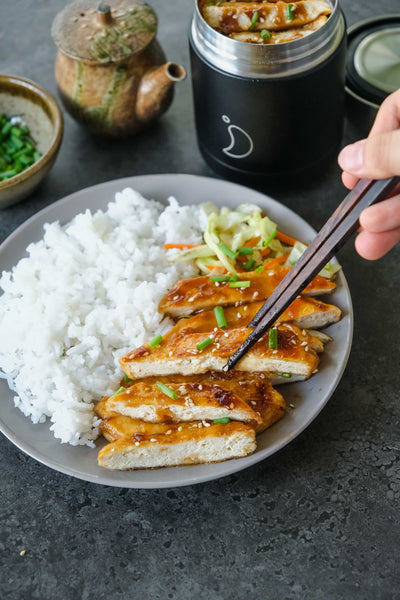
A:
x: 377, y: 157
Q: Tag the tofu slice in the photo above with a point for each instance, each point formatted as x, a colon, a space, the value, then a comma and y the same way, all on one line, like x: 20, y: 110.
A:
x: 253, y: 388
x: 194, y: 402
x: 192, y: 445
x: 200, y: 293
x: 230, y: 17
x: 303, y: 312
x: 180, y: 355
x: 279, y: 37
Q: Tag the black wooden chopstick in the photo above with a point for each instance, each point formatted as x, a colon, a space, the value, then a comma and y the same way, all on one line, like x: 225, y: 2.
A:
x: 332, y: 236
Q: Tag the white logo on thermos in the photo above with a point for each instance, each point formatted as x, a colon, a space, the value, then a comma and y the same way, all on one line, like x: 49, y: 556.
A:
x: 231, y: 129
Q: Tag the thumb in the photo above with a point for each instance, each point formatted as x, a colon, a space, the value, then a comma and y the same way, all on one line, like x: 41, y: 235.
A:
x: 376, y: 157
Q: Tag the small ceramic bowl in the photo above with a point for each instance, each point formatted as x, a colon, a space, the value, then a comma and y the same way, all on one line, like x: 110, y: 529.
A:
x: 40, y: 112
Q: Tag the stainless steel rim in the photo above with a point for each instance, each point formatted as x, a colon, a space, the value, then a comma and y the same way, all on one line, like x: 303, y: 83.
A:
x: 267, y: 61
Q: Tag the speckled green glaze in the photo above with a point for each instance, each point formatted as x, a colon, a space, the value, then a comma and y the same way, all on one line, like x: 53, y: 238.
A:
x: 104, y: 44
x: 101, y: 113
x: 77, y: 94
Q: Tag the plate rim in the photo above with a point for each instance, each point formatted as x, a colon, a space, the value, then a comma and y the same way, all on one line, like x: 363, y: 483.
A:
x: 229, y: 466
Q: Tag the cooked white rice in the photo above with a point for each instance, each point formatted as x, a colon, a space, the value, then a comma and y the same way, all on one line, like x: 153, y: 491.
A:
x: 85, y: 295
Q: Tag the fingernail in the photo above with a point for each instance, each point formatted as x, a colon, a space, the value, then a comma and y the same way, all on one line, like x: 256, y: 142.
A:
x: 351, y: 157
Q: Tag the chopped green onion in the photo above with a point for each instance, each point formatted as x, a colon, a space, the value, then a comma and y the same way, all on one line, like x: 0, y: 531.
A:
x: 166, y: 390
x: 157, y: 339
x: 234, y: 278
x: 222, y: 420
x: 254, y: 20
x: 220, y: 278
x: 249, y: 265
x: 265, y: 34
x: 239, y: 284
x: 121, y: 389
x: 245, y: 250
x: 273, y: 338
x: 259, y: 269
x: 271, y: 237
x: 219, y: 315
x: 127, y: 379
x: 290, y: 11
x: 17, y: 149
x: 201, y: 345
x: 287, y: 375
x: 227, y: 251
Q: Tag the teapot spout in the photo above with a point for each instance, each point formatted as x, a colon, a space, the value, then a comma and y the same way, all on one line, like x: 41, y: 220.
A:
x: 156, y: 90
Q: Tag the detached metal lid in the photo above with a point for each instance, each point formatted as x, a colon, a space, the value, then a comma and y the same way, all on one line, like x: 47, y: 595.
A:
x: 373, y: 66
x: 105, y: 32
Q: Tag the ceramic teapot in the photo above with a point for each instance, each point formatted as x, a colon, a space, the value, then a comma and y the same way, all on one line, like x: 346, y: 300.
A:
x: 111, y: 73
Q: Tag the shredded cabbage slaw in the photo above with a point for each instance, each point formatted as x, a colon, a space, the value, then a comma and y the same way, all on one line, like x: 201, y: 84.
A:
x: 234, y: 239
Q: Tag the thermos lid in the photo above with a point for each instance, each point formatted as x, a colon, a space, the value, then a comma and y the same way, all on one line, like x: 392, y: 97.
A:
x: 104, y: 32
x: 373, y: 66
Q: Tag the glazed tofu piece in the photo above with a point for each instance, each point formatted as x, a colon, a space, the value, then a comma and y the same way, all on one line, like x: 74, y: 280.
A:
x: 279, y: 37
x: 190, y: 402
x: 230, y: 17
x: 200, y: 293
x: 189, y: 446
x: 304, y: 312
x: 253, y: 388
x: 295, y: 353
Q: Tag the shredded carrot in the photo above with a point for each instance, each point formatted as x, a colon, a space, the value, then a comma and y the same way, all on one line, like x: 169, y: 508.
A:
x: 251, y: 242
x: 264, y: 252
x: 220, y: 270
x: 275, y: 261
x: 180, y: 246
x: 286, y: 239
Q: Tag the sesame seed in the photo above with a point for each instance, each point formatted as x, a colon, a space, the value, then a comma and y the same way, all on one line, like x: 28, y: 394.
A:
x: 200, y: 387
x: 191, y: 299
x: 153, y: 439
x: 303, y: 344
x: 262, y: 375
x: 291, y: 405
x: 206, y: 424
x: 169, y: 431
x: 306, y: 348
x: 175, y: 298
x: 200, y: 425
x: 253, y: 402
x: 274, y: 351
x: 238, y: 315
x: 180, y: 428
x: 255, y: 294
x: 245, y: 307
x: 315, y: 371
x: 136, y: 443
x: 22, y: 553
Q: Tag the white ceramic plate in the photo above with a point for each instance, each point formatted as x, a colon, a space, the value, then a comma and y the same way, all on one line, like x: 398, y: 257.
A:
x: 309, y: 397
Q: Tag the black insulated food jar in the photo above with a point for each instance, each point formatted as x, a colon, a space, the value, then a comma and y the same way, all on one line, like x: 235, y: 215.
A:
x: 268, y: 111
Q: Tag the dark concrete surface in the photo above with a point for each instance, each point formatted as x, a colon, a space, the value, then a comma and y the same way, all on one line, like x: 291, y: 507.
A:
x: 318, y: 520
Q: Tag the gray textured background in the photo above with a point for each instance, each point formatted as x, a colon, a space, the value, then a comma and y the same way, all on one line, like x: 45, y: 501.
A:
x: 318, y: 520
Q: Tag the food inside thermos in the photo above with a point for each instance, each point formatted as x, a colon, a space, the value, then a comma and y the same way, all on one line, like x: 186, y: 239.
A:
x: 265, y: 22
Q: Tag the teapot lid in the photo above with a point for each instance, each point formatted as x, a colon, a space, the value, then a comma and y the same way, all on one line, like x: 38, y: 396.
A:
x: 105, y: 32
